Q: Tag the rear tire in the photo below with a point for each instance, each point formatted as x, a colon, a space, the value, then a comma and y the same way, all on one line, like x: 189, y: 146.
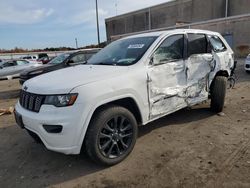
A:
x: 111, y: 135
x: 218, y: 93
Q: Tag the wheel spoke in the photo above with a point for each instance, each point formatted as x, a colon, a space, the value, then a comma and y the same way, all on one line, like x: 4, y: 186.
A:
x: 121, y: 123
x: 118, y: 149
x: 115, y: 122
x: 107, y: 127
x: 126, y: 128
x: 103, y: 135
x: 123, y: 144
x: 104, y: 146
x: 110, y: 149
x: 126, y: 135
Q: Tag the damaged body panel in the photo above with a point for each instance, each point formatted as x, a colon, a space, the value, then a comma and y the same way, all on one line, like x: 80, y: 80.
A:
x: 182, y: 71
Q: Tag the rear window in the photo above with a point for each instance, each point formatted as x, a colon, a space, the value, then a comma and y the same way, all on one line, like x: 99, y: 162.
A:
x: 217, y: 44
x: 197, y: 44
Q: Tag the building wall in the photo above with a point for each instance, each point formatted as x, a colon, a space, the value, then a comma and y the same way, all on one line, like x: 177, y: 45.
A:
x: 237, y: 29
x: 172, y: 13
x: 237, y: 7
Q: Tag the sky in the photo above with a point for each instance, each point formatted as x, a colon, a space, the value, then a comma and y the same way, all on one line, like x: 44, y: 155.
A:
x: 36, y: 24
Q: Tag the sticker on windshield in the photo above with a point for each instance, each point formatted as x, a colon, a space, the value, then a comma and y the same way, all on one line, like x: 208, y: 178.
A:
x: 136, y: 46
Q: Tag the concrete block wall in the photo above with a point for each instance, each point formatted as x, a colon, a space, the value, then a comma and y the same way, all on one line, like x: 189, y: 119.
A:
x: 170, y: 13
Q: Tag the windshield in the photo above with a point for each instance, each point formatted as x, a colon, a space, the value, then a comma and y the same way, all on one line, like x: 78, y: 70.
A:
x: 59, y: 59
x: 123, y: 52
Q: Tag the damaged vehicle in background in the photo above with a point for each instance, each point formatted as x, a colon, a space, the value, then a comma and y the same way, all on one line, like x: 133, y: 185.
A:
x: 133, y: 81
x: 59, y: 62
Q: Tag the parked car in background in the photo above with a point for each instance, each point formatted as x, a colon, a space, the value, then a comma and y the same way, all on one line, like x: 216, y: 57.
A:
x: 13, y: 68
x: 44, y: 60
x: 30, y: 57
x: 59, y: 62
x: 247, y: 64
x: 39, y: 57
x: 131, y: 82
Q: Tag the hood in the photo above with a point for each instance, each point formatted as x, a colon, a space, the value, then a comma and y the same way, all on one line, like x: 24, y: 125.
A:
x: 64, y: 80
x: 35, y: 69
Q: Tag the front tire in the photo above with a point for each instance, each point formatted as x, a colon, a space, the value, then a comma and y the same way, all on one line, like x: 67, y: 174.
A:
x: 111, y: 135
x: 218, y: 93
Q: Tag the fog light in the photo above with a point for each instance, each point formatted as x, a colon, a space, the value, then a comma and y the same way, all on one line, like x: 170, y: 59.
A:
x: 53, y: 128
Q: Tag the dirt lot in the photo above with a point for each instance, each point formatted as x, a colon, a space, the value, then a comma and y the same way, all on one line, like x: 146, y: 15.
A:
x: 190, y: 148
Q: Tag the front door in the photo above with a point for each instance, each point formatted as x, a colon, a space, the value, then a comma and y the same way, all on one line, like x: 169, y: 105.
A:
x: 167, y: 78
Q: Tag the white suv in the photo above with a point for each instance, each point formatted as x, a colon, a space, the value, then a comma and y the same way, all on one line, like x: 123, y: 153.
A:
x: 133, y: 81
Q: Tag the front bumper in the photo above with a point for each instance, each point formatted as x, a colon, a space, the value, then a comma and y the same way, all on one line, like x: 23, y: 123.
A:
x: 67, y: 141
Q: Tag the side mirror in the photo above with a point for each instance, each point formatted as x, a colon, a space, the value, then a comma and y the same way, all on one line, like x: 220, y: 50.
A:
x: 70, y: 62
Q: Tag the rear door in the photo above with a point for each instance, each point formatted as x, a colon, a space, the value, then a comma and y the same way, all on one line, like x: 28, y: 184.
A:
x: 166, y: 77
x: 21, y: 66
x: 200, y: 63
x: 222, y: 56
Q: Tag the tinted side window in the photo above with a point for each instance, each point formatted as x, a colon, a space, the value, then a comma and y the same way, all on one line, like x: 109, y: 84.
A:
x: 79, y: 58
x: 10, y: 64
x: 88, y: 56
x: 197, y: 44
x: 217, y: 44
x: 171, y: 49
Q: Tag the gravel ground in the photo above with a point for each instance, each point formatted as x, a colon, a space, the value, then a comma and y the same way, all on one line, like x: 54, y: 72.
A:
x: 190, y: 148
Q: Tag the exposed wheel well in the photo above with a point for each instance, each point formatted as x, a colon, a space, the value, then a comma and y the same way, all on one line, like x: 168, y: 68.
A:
x: 219, y: 73
x: 127, y: 103
x: 222, y: 73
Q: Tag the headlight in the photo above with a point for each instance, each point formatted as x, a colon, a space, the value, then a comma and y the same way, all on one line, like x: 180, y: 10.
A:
x: 61, y: 100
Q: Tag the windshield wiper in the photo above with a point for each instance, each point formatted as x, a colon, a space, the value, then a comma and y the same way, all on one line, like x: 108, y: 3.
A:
x: 104, y: 63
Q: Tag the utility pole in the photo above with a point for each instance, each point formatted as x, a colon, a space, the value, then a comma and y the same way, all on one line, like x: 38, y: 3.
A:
x: 97, y: 22
x: 226, y: 11
x: 116, y: 7
x: 76, y: 43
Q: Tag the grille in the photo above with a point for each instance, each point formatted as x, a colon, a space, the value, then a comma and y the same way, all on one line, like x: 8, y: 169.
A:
x: 30, y: 101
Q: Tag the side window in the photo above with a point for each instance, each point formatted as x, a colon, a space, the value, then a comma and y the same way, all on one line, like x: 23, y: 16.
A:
x: 10, y: 64
x: 197, y: 44
x: 171, y: 49
x: 20, y: 62
x: 89, y: 55
x: 78, y: 58
x: 217, y: 44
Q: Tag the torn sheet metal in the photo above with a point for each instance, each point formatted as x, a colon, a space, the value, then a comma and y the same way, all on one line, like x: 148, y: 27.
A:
x: 175, y: 85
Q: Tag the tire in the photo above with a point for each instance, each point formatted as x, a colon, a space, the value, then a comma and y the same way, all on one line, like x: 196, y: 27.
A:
x: 111, y: 135
x: 218, y: 93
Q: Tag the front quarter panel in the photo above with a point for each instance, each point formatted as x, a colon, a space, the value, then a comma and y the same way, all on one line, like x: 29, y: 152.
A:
x: 91, y: 96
